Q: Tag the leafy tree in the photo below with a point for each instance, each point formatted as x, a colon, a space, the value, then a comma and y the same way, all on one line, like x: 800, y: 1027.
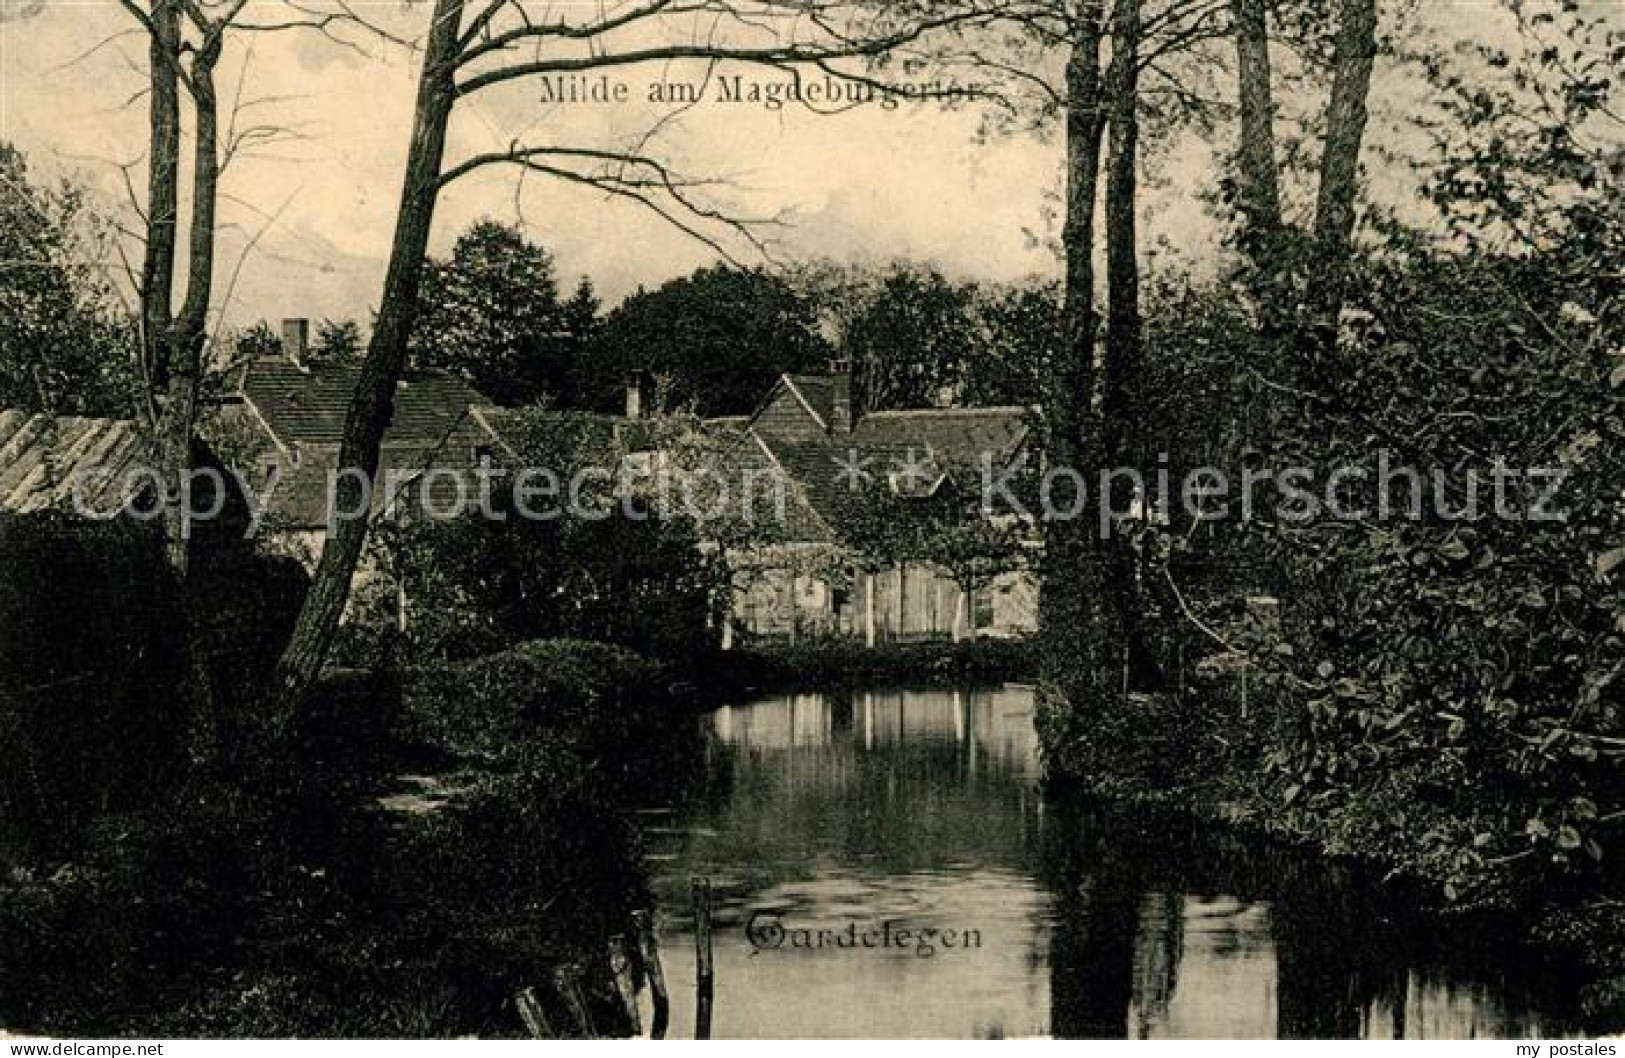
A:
x: 714, y: 341
x: 946, y: 530
x: 582, y: 318
x: 337, y: 342
x: 480, y: 584
x: 491, y: 313
x: 65, y: 347
x: 1020, y: 331
x: 581, y: 311
x: 916, y: 337
x: 1448, y: 679
x: 256, y: 340
x: 911, y: 338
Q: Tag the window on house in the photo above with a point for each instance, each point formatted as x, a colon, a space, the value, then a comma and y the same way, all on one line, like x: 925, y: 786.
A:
x: 981, y: 608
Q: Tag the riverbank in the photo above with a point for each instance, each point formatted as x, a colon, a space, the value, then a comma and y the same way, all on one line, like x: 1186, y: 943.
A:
x: 919, y: 805
x: 312, y: 895
x: 1205, y: 754
x: 428, y: 843
x: 836, y: 664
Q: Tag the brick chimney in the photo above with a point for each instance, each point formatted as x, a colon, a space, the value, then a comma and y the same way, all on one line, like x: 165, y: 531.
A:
x: 296, y: 341
x: 840, y: 399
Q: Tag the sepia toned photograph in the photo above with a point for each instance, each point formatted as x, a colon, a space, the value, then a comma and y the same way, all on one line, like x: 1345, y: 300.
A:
x: 914, y: 520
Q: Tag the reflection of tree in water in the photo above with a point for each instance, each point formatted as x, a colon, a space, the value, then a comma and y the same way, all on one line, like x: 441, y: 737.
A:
x: 1147, y: 925
x: 1137, y: 897
x: 1331, y: 962
x: 1120, y: 934
x: 1156, y: 958
x: 1092, y: 966
x: 900, y: 781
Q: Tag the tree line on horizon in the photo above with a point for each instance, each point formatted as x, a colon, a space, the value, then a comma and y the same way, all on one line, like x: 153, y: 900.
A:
x: 494, y: 312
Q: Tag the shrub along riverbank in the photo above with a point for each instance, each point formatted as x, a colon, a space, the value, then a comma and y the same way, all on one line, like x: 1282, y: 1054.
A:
x: 1439, y: 683
x: 320, y: 893
x: 426, y: 842
x: 1206, y: 752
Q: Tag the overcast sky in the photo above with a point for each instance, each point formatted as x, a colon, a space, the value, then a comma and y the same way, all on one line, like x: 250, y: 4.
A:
x: 869, y: 184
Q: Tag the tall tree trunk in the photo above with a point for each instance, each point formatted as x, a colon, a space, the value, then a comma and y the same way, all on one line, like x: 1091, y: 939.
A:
x: 1263, y: 237
x: 1257, y: 183
x: 1076, y: 613
x: 172, y: 346
x: 373, y: 402
x: 1123, y: 355
x: 189, y: 331
x: 1121, y: 407
x: 163, y: 186
x: 1354, y: 53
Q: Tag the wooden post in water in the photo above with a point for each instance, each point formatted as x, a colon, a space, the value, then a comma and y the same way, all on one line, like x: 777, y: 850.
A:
x: 704, y: 982
x: 620, y: 966
x: 649, y: 952
x: 531, y: 1013
x: 568, y: 981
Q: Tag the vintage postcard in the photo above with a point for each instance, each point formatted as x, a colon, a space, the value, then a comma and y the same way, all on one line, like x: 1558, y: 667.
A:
x: 811, y: 519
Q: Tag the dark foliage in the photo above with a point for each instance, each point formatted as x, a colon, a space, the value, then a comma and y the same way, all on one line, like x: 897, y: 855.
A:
x: 93, y: 713
x: 715, y: 341
x: 64, y: 345
x: 619, y: 569
x: 337, y: 342
x: 493, y: 708
x: 241, y: 605
x: 492, y: 314
x: 291, y: 902
x: 256, y: 340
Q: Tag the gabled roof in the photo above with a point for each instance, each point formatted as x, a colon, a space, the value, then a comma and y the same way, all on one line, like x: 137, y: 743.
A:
x: 300, y: 499
x: 307, y: 406
x: 43, y: 457
x: 955, y: 437
x: 746, y: 458
x: 514, y: 430
x: 821, y: 463
x: 810, y: 467
x: 817, y: 392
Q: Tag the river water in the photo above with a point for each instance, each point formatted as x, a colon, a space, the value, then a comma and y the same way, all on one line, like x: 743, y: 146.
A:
x: 884, y: 866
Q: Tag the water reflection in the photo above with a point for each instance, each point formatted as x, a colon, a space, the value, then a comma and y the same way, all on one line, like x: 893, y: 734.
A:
x: 921, y: 809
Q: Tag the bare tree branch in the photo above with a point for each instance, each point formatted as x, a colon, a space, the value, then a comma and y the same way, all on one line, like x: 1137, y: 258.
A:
x: 836, y: 47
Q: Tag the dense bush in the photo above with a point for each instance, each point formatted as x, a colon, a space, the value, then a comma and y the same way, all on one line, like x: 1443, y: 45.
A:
x: 242, y: 605
x: 478, y: 585
x: 287, y: 901
x: 1458, y: 673
x: 497, y: 707
x: 94, y: 712
x: 1456, y: 677
x: 1443, y: 689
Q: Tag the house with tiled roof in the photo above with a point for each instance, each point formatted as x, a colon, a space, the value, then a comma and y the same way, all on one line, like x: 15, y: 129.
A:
x: 805, y: 431
x: 103, y: 469
x: 50, y: 462
x: 284, y: 415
